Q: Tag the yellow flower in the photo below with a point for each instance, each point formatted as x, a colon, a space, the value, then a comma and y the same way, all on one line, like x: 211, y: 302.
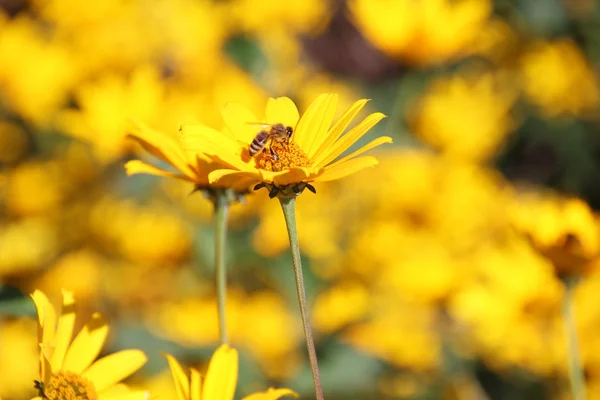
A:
x: 557, y: 77
x: 444, y: 117
x: 67, y: 368
x: 290, y: 165
x: 220, y: 380
x: 421, y: 32
x: 563, y: 230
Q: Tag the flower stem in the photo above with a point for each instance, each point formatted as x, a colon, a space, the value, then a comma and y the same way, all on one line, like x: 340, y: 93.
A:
x: 289, y: 212
x: 221, y: 204
x: 576, y: 375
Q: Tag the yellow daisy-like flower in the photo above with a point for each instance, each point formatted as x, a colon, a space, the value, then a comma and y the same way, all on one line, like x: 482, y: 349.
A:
x: 563, y: 230
x: 69, y: 369
x: 220, y: 380
x: 285, y: 166
x: 190, y: 167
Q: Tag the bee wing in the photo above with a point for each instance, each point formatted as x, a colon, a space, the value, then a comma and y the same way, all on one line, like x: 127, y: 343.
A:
x: 261, y: 125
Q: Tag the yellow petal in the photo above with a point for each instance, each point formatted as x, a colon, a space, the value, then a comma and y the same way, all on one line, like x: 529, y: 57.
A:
x: 166, y: 147
x: 64, y: 330
x: 87, y: 345
x: 46, y: 317
x: 315, y: 121
x: 347, y: 140
x: 45, y: 366
x: 113, y: 368
x: 132, y: 395
x: 379, y: 141
x: 346, y: 168
x: 340, y: 126
x: 294, y: 175
x: 214, y: 144
x: 221, y: 377
x: 195, y: 385
x: 231, y: 178
x: 282, y: 110
x: 182, y: 385
x: 134, y: 167
x: 272, y: 394
x: 237, y: 118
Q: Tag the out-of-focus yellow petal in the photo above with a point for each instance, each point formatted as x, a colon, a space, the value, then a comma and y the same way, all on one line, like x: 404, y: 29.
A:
x: 315, y: 121
x: 182, y: 384
x: 195, y: 385
x: 282, y: 110
x: 374, y: 143
x: 214, y: 143
x: 133, y: 395
x: 221, y: 377
x: 272, y: 394
x: 87, y: 345
x: 347, y: 140
x: 64, y: 330
x: 163, y: 146
x: 340, y: 126
x: 134, y: 167
x: 45, y: 366
x: 346, y: 168
x: 114, y: 368
x: 238, y: 120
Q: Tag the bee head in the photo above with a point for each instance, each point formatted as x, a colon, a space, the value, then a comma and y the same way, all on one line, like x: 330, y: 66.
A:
x: 289, y: 131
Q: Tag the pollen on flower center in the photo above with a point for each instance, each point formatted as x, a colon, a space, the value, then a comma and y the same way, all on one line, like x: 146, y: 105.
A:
x: 281, y: 156
x: 66, y: 385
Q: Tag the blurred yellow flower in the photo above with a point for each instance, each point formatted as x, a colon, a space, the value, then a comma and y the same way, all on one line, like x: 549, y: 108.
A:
x: 151, y: 235
x: 27, y: 245
x: 564, y: 230
x: 36, y: 72
x: 273, y: 339
x: 445, y: 119
x: 18, y: 357
x: 220, y: 380
x: 421, y: 32
x: 107, y: 106
x: 307, y: 157
x: 558, y: 78
x: 297, y: 16
x: 68, y: 369
x: 343, y: 303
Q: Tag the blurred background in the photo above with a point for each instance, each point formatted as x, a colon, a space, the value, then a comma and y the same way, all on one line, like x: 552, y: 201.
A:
x: 432, y: 276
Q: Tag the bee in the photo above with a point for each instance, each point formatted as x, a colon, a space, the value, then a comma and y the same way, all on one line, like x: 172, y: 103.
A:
x: 269, y: 132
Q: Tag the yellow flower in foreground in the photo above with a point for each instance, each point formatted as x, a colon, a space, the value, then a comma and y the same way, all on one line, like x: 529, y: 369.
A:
x: 67, y: 368
x: 288, y: 165
x: 220, y: 380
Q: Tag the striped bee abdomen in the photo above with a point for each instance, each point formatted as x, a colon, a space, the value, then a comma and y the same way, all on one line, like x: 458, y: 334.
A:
x: 258, y: 143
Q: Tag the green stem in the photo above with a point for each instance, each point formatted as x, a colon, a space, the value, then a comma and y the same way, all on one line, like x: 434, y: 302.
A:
x: 576, y: 374
x: 289, y: 212
x: 221, y: 204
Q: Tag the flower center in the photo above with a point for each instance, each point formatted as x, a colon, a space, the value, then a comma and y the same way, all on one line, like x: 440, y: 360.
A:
x: 66, y: 385
x: 281, y: 156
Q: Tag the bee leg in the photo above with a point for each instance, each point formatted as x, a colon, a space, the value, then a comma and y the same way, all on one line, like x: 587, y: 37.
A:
x: 273, y: 192
x: 259, y: 186
x: 275, y: 157
x: 311, y: 188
